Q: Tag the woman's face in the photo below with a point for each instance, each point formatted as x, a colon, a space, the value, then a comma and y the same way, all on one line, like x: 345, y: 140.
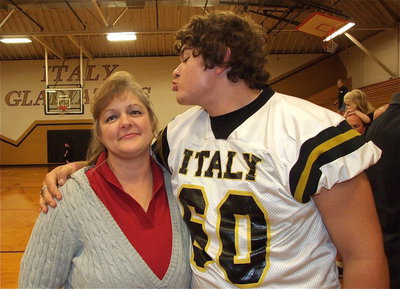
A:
x: 125, y: 128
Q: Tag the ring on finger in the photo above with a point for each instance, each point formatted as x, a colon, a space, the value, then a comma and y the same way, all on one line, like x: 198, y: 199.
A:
x: 42, y: 190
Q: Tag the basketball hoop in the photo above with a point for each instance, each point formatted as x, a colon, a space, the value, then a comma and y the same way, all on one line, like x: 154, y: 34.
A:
x: 64, y: 100
x: 330, y: 46
x: 62, y: 108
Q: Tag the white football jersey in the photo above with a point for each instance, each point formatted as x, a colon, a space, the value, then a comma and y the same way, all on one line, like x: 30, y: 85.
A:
x: 247, y: 199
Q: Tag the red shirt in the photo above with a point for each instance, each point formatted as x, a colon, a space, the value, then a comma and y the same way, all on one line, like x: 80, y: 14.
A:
x: 150, y: 233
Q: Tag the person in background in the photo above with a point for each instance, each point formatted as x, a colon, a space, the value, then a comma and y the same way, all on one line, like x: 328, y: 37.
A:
x: 67, y: 153
x: 268, y: 184
x: 118, y: 225
x: 385, y: 182
x: 342, y: 90
x: 356, y: 123
x: 356, y: 102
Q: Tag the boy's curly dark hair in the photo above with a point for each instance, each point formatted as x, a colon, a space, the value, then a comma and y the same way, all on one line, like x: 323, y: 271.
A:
x: 211, y: 35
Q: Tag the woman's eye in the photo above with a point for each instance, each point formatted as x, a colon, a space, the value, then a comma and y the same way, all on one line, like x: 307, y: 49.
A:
x: 135, y: 112
x: 111, y: 118
x: 185, y: 59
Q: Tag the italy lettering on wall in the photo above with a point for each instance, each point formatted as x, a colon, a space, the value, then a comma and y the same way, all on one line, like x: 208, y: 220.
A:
x: 63, y: 75
x: 23, y: 89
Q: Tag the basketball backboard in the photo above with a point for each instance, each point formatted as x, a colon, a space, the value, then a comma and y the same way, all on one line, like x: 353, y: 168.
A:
x: 321, y: 25
x: 66, y: 100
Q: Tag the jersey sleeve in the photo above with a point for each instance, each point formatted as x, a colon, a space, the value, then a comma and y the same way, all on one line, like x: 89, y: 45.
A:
x: 328, y: 151
x: 160, y: 148
x: 336, y: 154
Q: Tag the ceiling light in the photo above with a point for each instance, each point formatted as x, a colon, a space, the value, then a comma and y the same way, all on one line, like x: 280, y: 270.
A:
x: 340, y: 31
x: 15, y: 40
x: 121, y: 36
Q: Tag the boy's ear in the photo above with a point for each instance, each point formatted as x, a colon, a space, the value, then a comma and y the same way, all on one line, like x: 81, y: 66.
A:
x: 227, y: 56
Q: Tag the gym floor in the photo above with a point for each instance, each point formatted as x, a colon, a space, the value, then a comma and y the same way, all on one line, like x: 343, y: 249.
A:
x: 19, y: 208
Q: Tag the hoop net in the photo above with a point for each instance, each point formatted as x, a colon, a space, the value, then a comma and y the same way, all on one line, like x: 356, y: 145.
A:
x: 62, y: 108
x: 330, y: 46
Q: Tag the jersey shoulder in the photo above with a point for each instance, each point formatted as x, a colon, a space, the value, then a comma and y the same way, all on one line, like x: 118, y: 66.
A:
x: 185, y: 120
x: 176, y: 129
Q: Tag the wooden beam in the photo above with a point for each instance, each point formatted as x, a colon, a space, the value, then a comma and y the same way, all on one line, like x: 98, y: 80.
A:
x: 52, y: 50
x: 366, y: 51
x: 81, y: 33
x: 152, y: 31
x: 7, y: 16
x: 119, y: 17
x: 96, y: 5
x: 77, y: 44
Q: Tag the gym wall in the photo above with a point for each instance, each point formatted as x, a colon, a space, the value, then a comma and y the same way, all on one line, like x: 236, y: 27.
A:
x: 24, y: 126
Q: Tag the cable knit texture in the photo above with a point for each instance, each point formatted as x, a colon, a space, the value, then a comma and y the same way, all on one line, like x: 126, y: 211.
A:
x: 79, y: 245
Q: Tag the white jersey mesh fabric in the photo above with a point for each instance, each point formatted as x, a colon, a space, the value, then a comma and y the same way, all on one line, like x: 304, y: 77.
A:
x: 247, y: 227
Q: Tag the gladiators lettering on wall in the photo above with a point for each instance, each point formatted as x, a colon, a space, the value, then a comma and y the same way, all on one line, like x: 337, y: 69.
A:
x: 63, y: 74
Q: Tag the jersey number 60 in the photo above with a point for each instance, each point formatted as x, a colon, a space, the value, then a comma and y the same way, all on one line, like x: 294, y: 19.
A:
x: 242, y: 230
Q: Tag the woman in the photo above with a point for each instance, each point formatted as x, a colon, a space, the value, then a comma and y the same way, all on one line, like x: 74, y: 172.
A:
x: 118, y: 225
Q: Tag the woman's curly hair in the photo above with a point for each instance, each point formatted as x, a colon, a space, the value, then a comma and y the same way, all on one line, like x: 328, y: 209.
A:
x: 211, y: 35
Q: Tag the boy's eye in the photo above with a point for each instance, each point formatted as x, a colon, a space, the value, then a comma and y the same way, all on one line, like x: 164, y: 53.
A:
x: 185, y: 59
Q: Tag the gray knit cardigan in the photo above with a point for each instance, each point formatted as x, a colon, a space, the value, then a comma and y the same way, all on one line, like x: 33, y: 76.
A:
x: 79, y: 245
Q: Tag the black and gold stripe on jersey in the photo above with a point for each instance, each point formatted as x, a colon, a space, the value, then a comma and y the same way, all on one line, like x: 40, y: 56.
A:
x: 329, y: 145
x: 161, y: 148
